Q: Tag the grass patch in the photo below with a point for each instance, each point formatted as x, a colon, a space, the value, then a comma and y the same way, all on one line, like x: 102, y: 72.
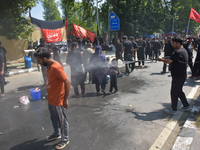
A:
x: 197, y: 121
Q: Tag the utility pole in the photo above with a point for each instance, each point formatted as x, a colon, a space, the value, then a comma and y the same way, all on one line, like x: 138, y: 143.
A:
x: 97, y: 24
x: 108, y: 24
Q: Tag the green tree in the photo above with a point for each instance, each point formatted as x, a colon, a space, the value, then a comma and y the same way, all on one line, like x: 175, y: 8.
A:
x: 182, y: 16
x: 13, y: 24
x: 51, y: 12
x: 77, y: 13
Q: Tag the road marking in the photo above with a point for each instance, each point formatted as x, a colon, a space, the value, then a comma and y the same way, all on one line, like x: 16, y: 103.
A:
x: 162, y: 138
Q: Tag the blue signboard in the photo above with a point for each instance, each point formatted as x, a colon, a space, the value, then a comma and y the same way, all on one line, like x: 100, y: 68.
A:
x: 114, y: 21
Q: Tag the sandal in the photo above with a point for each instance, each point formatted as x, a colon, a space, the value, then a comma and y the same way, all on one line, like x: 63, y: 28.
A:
x: 61, y: 144
x: 2, y: 95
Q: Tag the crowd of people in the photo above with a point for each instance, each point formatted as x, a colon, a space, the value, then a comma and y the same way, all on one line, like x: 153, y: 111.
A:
x: 87, y: 63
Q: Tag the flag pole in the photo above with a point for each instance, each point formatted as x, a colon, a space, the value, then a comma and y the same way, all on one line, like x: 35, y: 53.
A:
x: 188, y: 27
x: 172, y: 27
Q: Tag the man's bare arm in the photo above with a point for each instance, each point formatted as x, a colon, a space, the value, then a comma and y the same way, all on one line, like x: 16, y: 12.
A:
x: 67, y: 91
x: 167, y: 61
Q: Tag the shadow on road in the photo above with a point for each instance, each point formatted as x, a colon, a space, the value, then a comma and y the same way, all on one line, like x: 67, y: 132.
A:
x: 33, y: 145
x: 154, y: 115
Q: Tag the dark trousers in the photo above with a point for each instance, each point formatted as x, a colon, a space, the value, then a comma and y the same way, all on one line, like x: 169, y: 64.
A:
x: 58, y: 115
x: 90, y: 76
x: 140, y: 55
x: 103, y: 86
x: 113, y: 82
x: 126, y: 64
x: 191, y: 65
x: 155, y: 54
x: 132, y: 66
x: 78, y: 80
x: 165, y: 66
x: 196, y: 69
x: 2, y: 83
x: 176, y: 92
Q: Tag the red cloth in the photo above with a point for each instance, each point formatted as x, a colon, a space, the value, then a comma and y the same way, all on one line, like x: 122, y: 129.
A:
x: 80, y: 32
x: 52, y: 36
x: 194, y: 15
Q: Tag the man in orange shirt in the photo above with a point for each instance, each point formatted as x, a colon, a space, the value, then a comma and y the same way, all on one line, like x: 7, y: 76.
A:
x: 58, y: 88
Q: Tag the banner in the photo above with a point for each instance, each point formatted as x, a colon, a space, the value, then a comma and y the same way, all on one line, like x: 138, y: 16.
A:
x: 80, y: 32
x: 52, y: 36
x: 194, y: 15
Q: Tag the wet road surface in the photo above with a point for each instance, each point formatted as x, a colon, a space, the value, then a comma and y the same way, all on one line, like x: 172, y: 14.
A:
x: 95, y: 122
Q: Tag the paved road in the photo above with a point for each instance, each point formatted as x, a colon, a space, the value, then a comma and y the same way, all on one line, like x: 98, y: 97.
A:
x: 96, y: 122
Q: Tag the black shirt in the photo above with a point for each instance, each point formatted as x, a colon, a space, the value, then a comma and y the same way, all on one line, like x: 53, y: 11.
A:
x: 141, y: 44
x: 135, y: 46
x: 128, y: 46
x: 168, y: 49
x: 1, y: 61
x: 186, y: 46
x: 179, y: 64
x: 156, y: 45
x: 118, y: 50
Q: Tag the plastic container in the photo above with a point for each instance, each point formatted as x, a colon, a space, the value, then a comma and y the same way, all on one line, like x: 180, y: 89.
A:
x: 28, y: 61
x: 36, y: 95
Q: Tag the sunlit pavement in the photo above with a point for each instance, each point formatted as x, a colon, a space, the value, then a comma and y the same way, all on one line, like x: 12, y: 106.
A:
x: 96, y: 122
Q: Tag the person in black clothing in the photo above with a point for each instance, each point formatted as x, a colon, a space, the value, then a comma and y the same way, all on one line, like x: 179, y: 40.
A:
x: 43, y: 68
x: 118, y: 50
x: 127, y: 47
x: 4, y: 55
x: 2, y: 80
x: 114, y: 70
x: 156, y: 48
x: 168, y: 50
x: 178, y: 60
x: 147, y: 50
x: 135, y: 48
x: 74, y: 59
x: 56, y: 51
x: 189, y: 47
x: 140, y: 53
x: 99, y: 67
x: 196, y: 68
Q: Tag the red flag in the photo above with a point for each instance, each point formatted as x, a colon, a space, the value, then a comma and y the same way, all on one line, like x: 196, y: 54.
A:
x: 52, y: 36
x: 91, y: 35
x: 194, y: 15
x: 66, y: 22
x: 80, y: 32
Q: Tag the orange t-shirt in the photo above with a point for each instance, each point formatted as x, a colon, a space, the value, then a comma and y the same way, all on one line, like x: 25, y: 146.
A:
x: 55, y: 84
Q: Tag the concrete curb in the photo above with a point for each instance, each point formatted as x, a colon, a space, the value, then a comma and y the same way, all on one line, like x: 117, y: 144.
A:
x: 187, y: 133
x: 35, y: 69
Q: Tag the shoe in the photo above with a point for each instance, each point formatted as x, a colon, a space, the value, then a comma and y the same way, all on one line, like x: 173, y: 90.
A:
x: 191, y: 77
x: 76, y: 96
x: 163, y: 72
x: 52, y: 137
x: 171, y: 111
x: 142, y: 66
x: 103, y: 92
x: 127, y: 74
x: 115, y: 91
x: 6, y: 82
x: 109, y: 93
x: 197, y: 78
x: 98, y: 93
x: 61, y: 144
x: 2, y: 95
x: 83, y: 95
x: 183, y: 109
